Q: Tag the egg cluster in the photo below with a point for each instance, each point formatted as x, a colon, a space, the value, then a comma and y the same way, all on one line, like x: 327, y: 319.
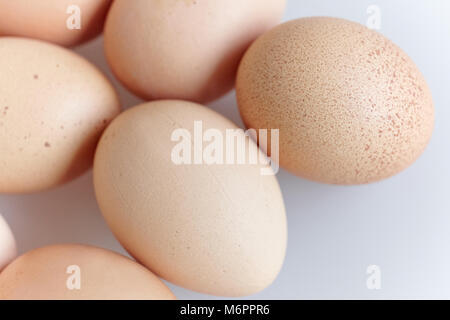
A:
x: 349, y: 105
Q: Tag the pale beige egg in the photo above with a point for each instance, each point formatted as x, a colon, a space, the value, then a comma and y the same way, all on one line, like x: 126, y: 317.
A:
x: 184, y: 49
x: 351, y: 106
x: 54, y: 106
x: 213, y: 227
x: 8, y: 248
x: 79, y: 272
x: 64, y: 22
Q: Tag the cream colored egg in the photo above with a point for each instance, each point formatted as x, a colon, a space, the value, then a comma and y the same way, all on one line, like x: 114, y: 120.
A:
x: 184, y: 49
x: 351, y: 106
x: 64, y: 22
x: 54, y: 106
x: 8, y: 249
x: 79, y: 272
x: 210, y: 227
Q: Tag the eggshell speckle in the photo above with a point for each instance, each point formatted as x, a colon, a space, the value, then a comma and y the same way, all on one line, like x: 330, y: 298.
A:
x: 190, y: 49
x: 79, y: 272
x: 54, y: 106
x: 351, y: 106
x: 7, y: 244
x: 217, y: 229
x: 48, y: 20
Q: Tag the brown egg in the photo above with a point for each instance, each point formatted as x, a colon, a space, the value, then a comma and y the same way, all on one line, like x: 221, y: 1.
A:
x: 79, y: 272
x: 54, y: 106
x: 351, y: 106
x: 184, y: 49
x: 64, y: 22
x: 8, y: 249
x: 210, y: 227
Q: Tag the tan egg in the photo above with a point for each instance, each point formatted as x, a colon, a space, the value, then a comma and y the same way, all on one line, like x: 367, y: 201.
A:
x: 184, y: 49
x: 64, y: 22
x: 8, y: 250
x: 352, y: 108
x: 214, y: 228
x: 79, y: 272
x: 54, y: 106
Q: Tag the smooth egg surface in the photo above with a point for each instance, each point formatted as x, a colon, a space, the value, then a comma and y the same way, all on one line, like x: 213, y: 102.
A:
x: 214, y: 228
x: 79, y: 272
x: 63, y: 22
x: 54, y: 106
x: 184, y: 49
x: 351, y: 106
x: 8, y: 250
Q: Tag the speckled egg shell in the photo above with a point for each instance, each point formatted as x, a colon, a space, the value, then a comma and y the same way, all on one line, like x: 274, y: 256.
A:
x: 8, y: 248
x: 54, y: 106
x: 79, y: 272
x: 352, y: 108
x: 183, y: 49
x: 48, y: 20
x: 217, y: 229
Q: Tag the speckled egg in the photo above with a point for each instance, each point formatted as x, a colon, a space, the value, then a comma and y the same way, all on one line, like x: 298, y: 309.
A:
x: 351, y: 106
x: 54, y: 106
x: 64, y: 22
x: 184, y: 49
x: 79, y: 272
x: 214, y: 227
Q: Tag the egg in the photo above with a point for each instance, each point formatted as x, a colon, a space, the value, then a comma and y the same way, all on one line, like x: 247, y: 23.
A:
x: 209, y: 226
x: 64, y: 22
x: 8, y: 249
x: 351, y: 106
x: 79, y: 272
x: 183, y: 49
x: 54, y: 106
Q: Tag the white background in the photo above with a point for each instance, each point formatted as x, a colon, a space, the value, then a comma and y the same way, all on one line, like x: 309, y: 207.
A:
x: 335, y: 233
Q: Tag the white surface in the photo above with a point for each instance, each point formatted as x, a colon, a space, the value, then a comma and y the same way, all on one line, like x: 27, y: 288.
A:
x: 335, y: 233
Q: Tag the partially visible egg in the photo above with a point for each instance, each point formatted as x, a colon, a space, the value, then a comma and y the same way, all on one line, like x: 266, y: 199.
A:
x: 351, y: 106
x: 183, y: 49
x: 64, y: 22
x: 54, y: 106
x: 8, y: 249
x: 194, y: 218
x: 79, y: 272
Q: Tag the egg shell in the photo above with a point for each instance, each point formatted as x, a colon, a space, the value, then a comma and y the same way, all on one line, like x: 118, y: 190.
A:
x: 8, y: 249
x: 48, y: 20
x: 54, y: 106
x: 351, y: 106
x: 218, y: 229
x: 54, y: 272
x: 189, y: 49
